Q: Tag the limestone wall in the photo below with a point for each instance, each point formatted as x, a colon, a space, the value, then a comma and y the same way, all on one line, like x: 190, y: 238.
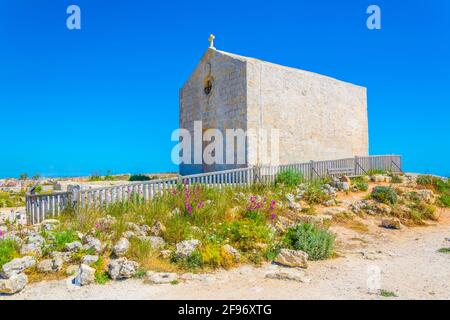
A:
x: 225, y: 106
x: 319, y: 118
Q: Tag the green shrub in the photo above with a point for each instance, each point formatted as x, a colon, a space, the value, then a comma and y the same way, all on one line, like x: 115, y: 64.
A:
x: 387, y: 294
x: 245, y: 234
x: 63, y: 237
x: 360, y: 183
x: 139, y: 177
x: 318, y: 243
x: 289, y: 178
x: 314, y: 193
x: 372, y: 172
x: 396, y: 179
x: 8, y: 251
x: 426, y: 180
x: 384, y: 194
x: 444, y: 250
x: 444, y: 200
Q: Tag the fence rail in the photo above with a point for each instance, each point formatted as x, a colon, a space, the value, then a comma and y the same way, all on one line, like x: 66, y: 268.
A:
x: 45, y: 206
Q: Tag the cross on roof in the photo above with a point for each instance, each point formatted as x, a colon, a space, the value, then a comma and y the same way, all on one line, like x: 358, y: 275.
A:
x: 211, y: 41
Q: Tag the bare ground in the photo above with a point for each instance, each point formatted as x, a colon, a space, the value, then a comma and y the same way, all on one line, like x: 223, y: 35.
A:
x: 408, y: 259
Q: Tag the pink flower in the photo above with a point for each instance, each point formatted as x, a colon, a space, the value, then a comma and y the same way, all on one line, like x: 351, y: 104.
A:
x: 273, y: 216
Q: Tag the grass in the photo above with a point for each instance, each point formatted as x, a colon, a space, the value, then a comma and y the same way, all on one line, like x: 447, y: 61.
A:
x: 444, y: 250
x: 12, y: 199
x: 314, y: 193
x: 8, y: 251
x: 385, y: 195
x: 387, y: 294
x: 318, y: 243
x: 360, y: 183
x: 289, y: 178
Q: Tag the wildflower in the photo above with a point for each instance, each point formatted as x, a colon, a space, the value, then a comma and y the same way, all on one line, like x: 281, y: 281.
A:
x: 1, y: 234
x: 273, y: 216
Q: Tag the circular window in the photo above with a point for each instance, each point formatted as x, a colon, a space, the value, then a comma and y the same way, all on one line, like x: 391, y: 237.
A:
x: 208, y: 86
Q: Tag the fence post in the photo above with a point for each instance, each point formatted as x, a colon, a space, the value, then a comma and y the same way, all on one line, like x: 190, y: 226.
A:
x: 311, y: 171
x: 74, y: 195
x: 356, y: 165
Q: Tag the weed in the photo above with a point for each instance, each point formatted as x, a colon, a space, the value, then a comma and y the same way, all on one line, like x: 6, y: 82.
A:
x: 444, y: 250
x: 384, y: 194
x: 387, y: 294
x: 289, y: 178
x: 8, y: 251
x: 316, y: 242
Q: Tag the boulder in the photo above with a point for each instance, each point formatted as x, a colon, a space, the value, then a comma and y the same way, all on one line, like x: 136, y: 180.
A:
x: 122, y: 268
x: 391, y: 223
x: 49, y: 224
x: 343, y: 186
x: 65, y: 256
x: 294, y: 206
x: 160, y: 277
x: 232, y: 252
x: 89, y: 259
x: 186, y: 247
x: 45, y: 265
x: 73, y: 246
x: 35, y: 238
x: 72, y: 269
x: 85, y: 275
x: 380, y: 178
x: 158, y: 229
x: 31, y: 248
x: 292, y: 258
x: 128, y: 234
x: 92, y: 243
x: 17, y: 266
x: 345, y: 179
x: 121, y: 247
x: 155, y: 242
x: 14, y: 284
x: 426, y: 195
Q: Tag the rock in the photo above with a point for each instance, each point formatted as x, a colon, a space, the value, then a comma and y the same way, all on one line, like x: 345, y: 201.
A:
x: 380, y: 178
x: 426, y: 196
x: 155, y: 242
x: 89, y: 259
x: 158, y: 229
x: 283, y: 224
x: 121, y: 247
x: 186, y: 247
x: 381, y: 208
x: 85, y: 275
x: 359, y: 206
x: 65, y: 256
x: 392, y: 223
x: 122, y: 268
x: 292, y: 258
x: 145, y: 229
x: 50, y: 265
x: 45, y: 265
x: 49, y: 224
x: 92, y: 243
x: 166, y: 254
x: 31, y: 248
x: 72, y: 269
x: 105, y: 224
x: 343, y: 186
x: 345, y: 179
x: 73, y: 246
x: 160, y: 277
x: 289, y: 275
x: 290, y: 197
x: 14, y: 284
x: 329, y: 190
x: 35, y: 238
x: 295, y: 206
x: 329, y: 203
x: 17, y: 266
x: 232, y: 252
x: 128, y: 234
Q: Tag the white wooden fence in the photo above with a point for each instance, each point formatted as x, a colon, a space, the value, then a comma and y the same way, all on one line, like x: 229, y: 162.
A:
x: 45, y: 206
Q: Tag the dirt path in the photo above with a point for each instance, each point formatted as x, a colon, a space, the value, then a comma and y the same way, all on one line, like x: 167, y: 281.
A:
x: 408, y: 259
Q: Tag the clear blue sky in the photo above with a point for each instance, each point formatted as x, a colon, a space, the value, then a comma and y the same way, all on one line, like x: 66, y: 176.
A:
x: 106, y: 97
